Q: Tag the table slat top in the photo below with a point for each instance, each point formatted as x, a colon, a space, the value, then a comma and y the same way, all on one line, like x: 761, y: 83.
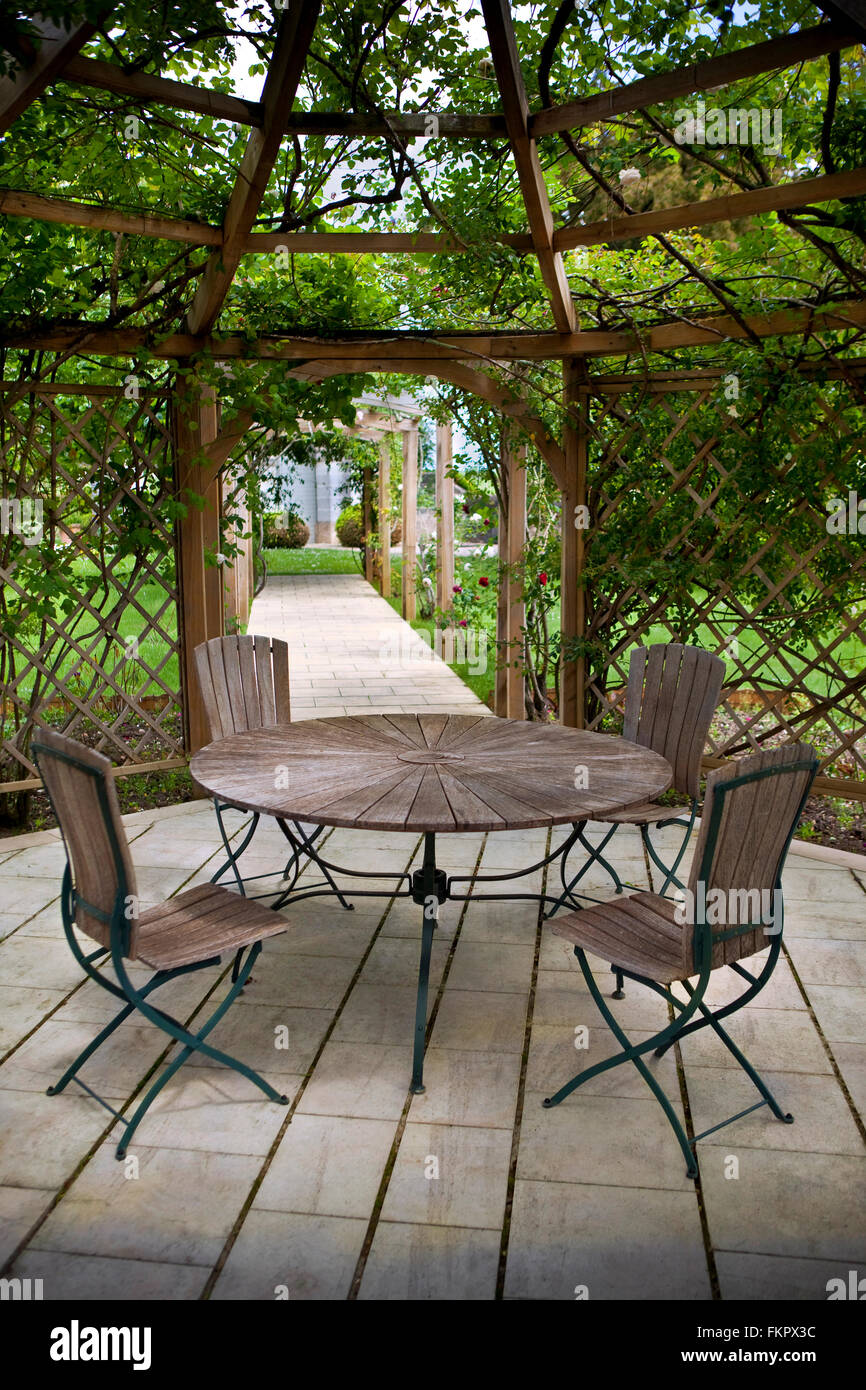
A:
x: 430, y: 772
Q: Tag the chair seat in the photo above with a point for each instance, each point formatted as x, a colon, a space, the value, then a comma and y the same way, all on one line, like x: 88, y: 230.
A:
x: 638, y: 933
x: 646, y: 814
x: 204, y: 921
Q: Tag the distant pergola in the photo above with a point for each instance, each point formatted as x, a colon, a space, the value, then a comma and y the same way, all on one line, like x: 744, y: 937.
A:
x: 203, y: 446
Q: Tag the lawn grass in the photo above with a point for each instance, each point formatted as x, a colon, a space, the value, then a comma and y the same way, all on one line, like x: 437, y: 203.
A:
x: 325, y: 560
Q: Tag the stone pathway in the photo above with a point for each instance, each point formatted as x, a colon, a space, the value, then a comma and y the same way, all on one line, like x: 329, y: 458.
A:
x: 472, y: 1190
x: 352, y: 654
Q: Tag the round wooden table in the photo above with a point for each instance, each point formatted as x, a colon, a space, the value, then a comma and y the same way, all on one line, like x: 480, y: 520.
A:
x: 427, y: 774
x: 430, y: 773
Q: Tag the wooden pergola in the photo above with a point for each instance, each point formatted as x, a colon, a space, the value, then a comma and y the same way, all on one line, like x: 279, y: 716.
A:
x: 203, y: 444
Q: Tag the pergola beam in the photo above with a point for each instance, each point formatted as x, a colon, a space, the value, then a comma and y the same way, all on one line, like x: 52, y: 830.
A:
x: 294, y: 36
x: 146, y: 89
x: 73, y: 214
x: 422, y: 353
x: 506, y: 63
x: 778, y: 197
x: 772, y: 54
x: 727, y: 208
x: 56, y: 48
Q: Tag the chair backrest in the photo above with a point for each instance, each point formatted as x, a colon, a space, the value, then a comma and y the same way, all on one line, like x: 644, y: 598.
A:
x: 751, y: 810
x: 244, y: 683
x: 671, y: 696
x: 84, y: 800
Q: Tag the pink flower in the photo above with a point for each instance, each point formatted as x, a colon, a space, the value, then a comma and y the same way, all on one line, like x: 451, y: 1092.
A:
x: 463, y: 623
x: 457, y: 589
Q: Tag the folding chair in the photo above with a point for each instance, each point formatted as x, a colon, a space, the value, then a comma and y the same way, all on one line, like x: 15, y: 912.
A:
x: 244, y: 683
x: 671, y: 696
x: 99, y: 897
x: 751, y: 811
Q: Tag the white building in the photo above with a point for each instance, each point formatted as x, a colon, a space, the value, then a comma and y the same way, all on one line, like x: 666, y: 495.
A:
x: 317, y: 494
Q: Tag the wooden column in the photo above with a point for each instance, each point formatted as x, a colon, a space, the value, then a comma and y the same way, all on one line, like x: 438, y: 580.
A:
x: 200, y: 586
x: 444, y: 518
x: 509, y: 700
x: 367, y: 504
x: 237, y: 576
x: 572, y: 674
x: 500, y: 690
x: 385, y: 515
x: 515, y: 608
x: 410, y: 520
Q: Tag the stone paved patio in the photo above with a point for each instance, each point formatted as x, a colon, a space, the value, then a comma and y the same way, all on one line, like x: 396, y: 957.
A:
x: 471, y: 1191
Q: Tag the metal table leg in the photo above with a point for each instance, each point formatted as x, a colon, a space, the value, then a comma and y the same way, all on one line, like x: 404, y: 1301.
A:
x: 429, y: 889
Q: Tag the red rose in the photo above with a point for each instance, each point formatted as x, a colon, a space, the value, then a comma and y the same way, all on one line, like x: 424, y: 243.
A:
x: 484, y: 581
x: 457, y: 589
x: 542, y: 578
x: 462, y: 623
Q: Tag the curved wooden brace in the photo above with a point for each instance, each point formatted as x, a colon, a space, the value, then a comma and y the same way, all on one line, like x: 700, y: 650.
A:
x: 468, y: 378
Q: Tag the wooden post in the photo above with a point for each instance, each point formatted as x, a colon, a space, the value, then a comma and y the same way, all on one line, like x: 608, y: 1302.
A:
x: 238, y: 579
x: 410, y: 520
x: 572, y: 674
x: 500, y: 691
x: 444, y: 518
x: 509, y: 700
x: 385, y: 515
x: 515, y: 612
x: 200, y: 586
x: 367, y: 496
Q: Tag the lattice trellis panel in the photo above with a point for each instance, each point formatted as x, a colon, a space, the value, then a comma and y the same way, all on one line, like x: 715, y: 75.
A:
x: 709, y: 524
x: 89, y: 622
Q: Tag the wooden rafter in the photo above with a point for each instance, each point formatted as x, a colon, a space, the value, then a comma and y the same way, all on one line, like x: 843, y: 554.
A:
x: 149, y: 90
x: 388, y: 243
x: 293, y: 40
x: 74, y: 214
x: 56, y: 48
x: 775, y: 198
x: 506, y: 63
x: 724, y: 209
x: 772, y: 54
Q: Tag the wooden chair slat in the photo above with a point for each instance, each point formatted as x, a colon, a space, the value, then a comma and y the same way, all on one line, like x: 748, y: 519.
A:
x: 282, y: 703
x: 216, y: 657
x: 634, y: 688
x: 265, y: 682
x: 250, y: 704
x: 205, y: 683
x: 234, y: 684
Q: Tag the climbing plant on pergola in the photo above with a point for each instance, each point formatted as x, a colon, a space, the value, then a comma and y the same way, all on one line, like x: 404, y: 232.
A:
x: 468, y: 197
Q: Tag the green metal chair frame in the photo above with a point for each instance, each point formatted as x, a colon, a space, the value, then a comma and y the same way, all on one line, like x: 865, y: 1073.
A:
x: 116, y: 932
x: 672, y: 693
x: 719, y: 850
